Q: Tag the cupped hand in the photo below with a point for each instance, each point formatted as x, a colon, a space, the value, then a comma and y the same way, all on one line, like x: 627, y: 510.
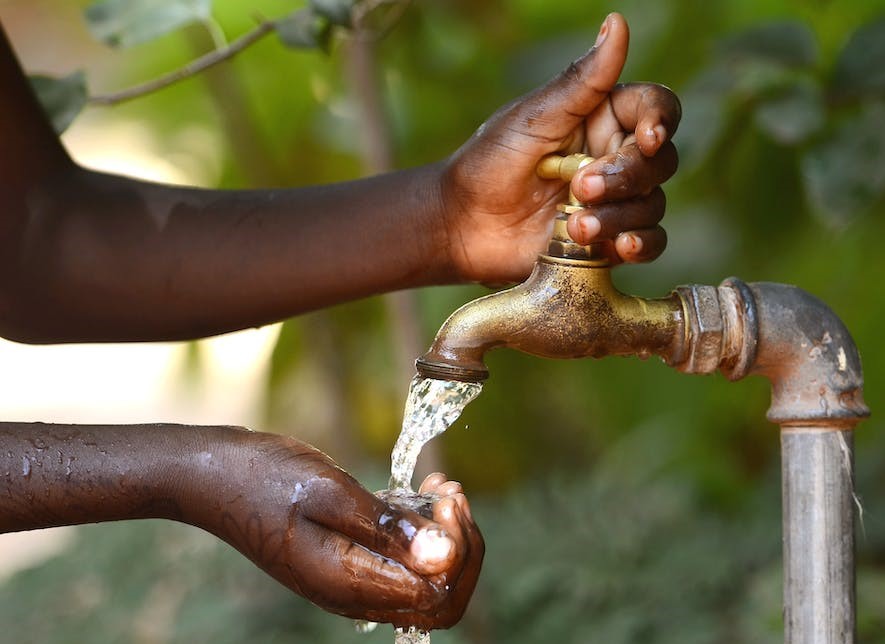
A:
x: 314, y: 528
x: 498, y: 211
x: 370, y: 560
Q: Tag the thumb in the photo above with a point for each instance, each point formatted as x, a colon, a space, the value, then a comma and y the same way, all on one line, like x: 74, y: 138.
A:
x: 556, y: 109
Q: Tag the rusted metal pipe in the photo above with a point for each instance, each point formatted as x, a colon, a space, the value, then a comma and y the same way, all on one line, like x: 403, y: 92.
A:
x: 799, y: 344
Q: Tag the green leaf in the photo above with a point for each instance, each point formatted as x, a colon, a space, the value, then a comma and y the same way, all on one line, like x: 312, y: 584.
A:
x: 787, y: 43
x: 123, y: 23
x: 338, y: 12
x: 62, y: 98
x: 793, y: 114
x: 844, y: 174
x: 860, y: 69
x: 304, y: 29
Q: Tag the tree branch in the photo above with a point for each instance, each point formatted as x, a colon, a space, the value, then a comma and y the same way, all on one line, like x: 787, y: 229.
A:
x: 191, y: 69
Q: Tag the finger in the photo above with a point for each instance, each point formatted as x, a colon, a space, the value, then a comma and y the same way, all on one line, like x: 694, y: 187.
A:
x: 652, y: 111
x: 637, y: 246
x: 343, y: 506
x: 555, y: 110
x: 457, y: 582
x: 431, y: 482
x: 454, y: 515
x: 449, y: 488
x: 608, y: 220
x: 329, y: 564
x: 463, y: 505
x: 473, y: 547
x: 626, y: 174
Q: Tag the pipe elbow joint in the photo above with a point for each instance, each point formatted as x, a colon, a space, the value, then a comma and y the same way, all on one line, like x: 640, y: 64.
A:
x: 785, y: 334
x: 809, y: 356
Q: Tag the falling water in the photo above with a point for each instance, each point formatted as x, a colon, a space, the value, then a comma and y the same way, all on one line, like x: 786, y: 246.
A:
x: 431, y: 408
x: 410, y: 635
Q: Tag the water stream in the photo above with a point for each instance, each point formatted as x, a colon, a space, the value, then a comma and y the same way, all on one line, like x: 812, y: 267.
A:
x: 432, y: 407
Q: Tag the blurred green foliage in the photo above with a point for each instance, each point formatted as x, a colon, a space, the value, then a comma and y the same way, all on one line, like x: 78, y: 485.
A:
x: 621, y: 501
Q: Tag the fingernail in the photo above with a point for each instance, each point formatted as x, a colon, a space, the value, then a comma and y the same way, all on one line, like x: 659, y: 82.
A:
x: 590, y: 227
x: 431, y: 546
x: 603, y: 33
x: 630, y: 245
x: 592, y: 187
x: 660, y: 134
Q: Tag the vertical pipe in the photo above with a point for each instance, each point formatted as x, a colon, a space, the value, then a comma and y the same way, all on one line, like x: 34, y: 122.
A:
x: 818, y: 524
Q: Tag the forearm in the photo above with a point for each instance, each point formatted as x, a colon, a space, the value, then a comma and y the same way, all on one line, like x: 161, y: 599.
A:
x: 86, y: 256
x: 72, y: 474
x: 237, y: 484
x: 103, y: 258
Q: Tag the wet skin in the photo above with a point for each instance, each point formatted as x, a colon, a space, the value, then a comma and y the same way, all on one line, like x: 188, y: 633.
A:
x: 283, y: 504
x: 88, y: 256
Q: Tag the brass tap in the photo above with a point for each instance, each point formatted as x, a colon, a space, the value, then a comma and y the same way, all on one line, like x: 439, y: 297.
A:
x: 555, y: 166
x: 567, y: 308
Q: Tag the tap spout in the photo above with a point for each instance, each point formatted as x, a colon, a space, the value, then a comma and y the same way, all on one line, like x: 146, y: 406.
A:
x: 567, y: 308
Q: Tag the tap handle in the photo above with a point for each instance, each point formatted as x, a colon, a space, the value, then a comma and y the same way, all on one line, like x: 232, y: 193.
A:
x: 557, y: 166
x: 564, y: 167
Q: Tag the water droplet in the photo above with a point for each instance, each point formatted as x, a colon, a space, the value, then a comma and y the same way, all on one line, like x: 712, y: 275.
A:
x: 26, y: 466
x: 407, y: 527
x: 296, y: 493
x: 364, y: 626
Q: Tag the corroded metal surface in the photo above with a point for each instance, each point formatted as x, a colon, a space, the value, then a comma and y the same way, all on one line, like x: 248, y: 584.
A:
x: 785, y: 334
x: 566, y: 309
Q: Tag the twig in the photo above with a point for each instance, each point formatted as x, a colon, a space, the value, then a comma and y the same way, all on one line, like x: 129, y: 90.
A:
x: 192, y: 68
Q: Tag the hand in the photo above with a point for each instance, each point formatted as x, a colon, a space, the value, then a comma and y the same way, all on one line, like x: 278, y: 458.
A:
x: 498, y: 211
x: 311, y: 526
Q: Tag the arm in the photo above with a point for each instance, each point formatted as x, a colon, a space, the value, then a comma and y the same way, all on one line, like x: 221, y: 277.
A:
x: 280, y: 502
x: 86, y: 256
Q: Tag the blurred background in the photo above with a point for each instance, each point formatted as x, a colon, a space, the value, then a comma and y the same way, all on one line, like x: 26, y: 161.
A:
x: 621, y: 501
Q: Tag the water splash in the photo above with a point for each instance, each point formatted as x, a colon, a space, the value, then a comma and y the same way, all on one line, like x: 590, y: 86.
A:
x: 431, y: 408
x: 410, y: 635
